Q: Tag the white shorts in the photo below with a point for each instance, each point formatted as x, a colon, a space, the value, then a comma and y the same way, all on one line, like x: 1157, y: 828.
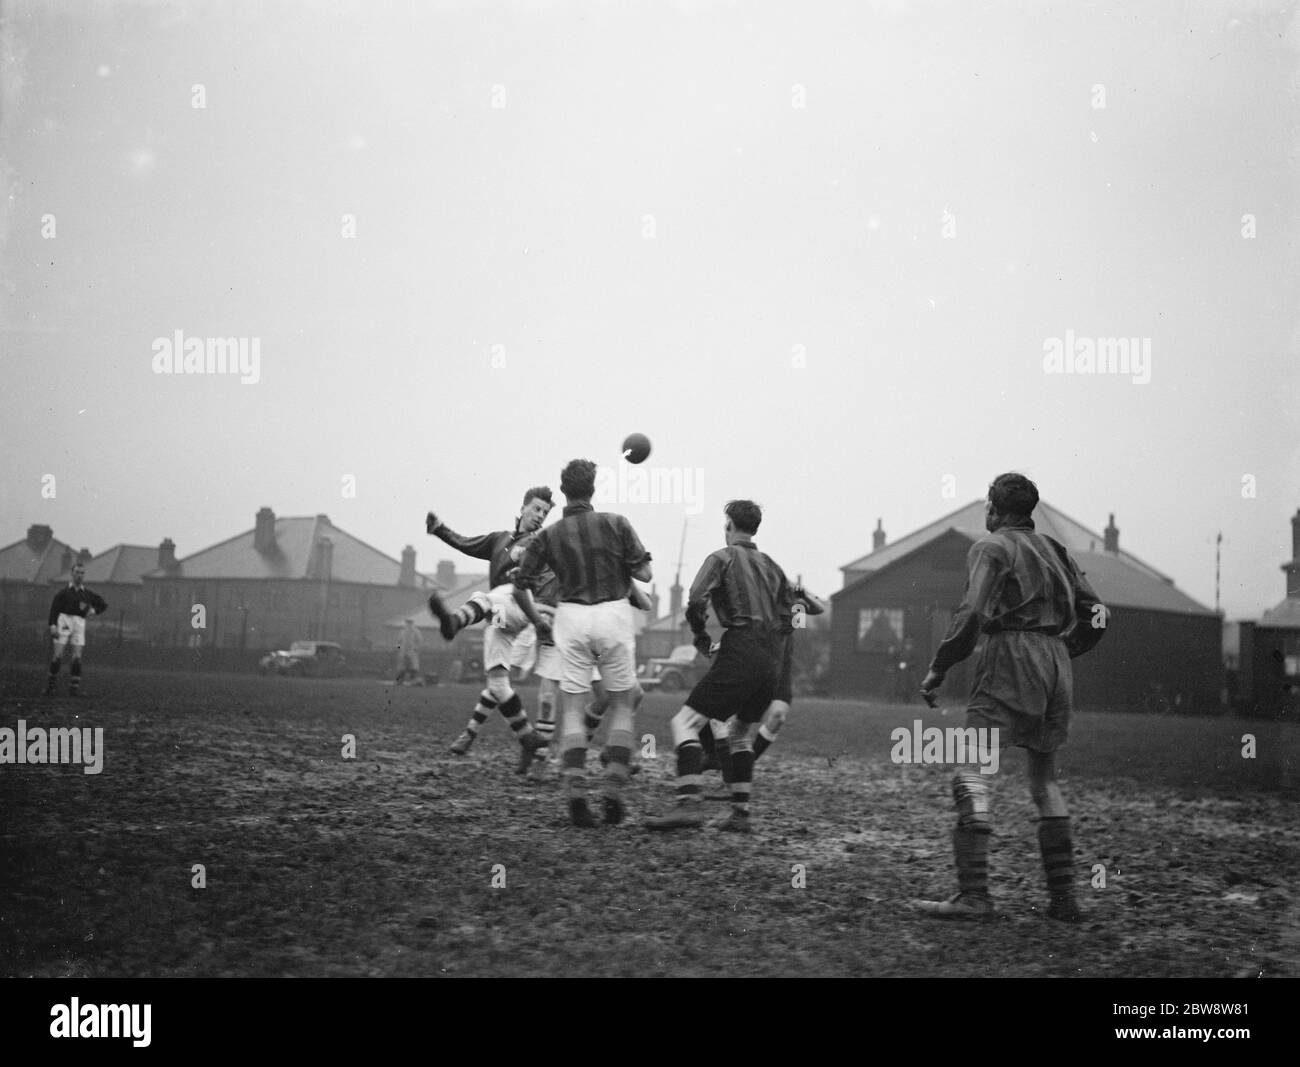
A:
x: 505, y: 621
x: 524, y: 654
x: 587, y: 632
x: 72, y: 630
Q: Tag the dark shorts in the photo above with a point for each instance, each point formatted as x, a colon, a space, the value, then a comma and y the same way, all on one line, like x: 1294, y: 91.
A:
x: 784, y: 683
x: 1023, y: 686
x: 742, y: 679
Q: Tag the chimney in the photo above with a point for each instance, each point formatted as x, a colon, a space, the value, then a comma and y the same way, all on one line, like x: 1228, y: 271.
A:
x: 675, y: 602
x: 38, y: 537
x: 406, y: 577
x: 66, y: 565
x: 654, y: 603
x: 264, y: 531
x: 167, y: 554
x: 1292, y: 568
x: 878, y: 537
x: 324, y: 559
x: 1111, y: 533
x: 446, y: 574
x: 84, y: 556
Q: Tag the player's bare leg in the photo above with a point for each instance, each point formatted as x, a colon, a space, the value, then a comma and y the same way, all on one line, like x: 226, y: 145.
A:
x: 1054, y: 838
x: 688, y: 812
x: 573, y: 756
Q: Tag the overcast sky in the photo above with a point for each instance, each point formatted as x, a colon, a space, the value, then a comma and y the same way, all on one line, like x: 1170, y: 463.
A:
x: 817, y: 252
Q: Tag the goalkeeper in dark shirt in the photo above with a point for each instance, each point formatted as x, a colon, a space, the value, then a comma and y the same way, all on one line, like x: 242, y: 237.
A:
x: 68, y: 612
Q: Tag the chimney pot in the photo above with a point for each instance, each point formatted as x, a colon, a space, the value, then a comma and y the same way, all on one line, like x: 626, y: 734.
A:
x: 264, y: 531
x: 166, y: 554
x: 1111, y: 533
x: 67, y: 558
x: 446, y: 573
x: 38, y: 536
x: 878, y: 536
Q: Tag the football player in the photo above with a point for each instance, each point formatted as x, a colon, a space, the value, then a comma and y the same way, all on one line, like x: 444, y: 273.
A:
x: 72, y: 605
x: 505, y: 620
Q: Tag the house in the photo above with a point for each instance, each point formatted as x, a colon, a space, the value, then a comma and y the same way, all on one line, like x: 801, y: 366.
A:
x: 897, y: 603
x: 27, y: 569
x: 286, y: 579
x: 1264, y: 656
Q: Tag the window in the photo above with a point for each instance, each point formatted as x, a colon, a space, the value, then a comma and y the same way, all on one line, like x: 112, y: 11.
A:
x: 879, y: 629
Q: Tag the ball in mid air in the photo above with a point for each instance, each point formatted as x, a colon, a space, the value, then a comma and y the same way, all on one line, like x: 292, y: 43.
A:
x: 636, y: 446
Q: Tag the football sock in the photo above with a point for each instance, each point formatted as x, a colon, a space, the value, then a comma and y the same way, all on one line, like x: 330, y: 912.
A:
x: 1058, y: 854
x: 54, y: 667
x: 468, y: 614
x: 619, y: 749
x: 545, y: 721
x: 591, y: 721
x: 75, y: 671
x: 690, y: 756
x: 740, y: 766
x: 763, y: 740
x: 481, y: 710
x: 970, y: 845
x: 513, y: 710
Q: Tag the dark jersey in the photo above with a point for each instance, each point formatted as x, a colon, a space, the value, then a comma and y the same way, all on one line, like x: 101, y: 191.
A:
x: 1022, y: 580
x: 593, y: 555
x: 76, y: 600
x: 745, y: 587
x: 493, y: 547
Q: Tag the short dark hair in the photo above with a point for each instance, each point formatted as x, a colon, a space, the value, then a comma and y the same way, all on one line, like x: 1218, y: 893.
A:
x: 745, y: 515
x: 538, y: 492
x: 578, y: 479
x: 1013, y: 494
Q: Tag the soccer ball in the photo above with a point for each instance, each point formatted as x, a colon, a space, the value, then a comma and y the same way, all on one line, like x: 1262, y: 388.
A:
x: 636, y: 446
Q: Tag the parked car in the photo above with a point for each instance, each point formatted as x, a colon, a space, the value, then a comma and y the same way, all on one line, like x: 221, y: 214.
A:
x: 306, y: 659
x: 679, y: 670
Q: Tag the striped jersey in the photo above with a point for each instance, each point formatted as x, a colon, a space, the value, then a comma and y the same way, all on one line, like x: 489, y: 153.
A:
x: 493, y: 547
x: 745, y: 588
x: 1019, y: 579
x: 593, y: 554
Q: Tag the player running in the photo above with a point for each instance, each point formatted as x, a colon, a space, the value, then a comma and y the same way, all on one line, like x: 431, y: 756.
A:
x: 71, y: 606
x: 594, y: 555
x: 750, y: 595
x: 716, y: 749
x: 506, y: 620
x: 1027, y: 611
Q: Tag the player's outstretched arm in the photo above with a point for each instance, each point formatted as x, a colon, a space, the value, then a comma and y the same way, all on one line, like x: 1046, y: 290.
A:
x: 813, y: 605
x: 479, y: 547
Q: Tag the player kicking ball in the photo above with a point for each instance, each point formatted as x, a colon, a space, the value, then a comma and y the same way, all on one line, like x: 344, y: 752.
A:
x: 1029, y: 610
x: 69, y: 610
x: 505, y: 621
x: 750, y: 595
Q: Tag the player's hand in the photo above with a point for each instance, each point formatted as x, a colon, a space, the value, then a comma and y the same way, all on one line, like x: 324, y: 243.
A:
x: 545, y: 634
x: 930, y: 685
x: 703, y: 644
x: 54, y: 631
x: 431, y: 522
x: 638, y: 599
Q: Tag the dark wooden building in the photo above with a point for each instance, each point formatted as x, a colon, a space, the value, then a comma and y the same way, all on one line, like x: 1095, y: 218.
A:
x: 897, y: 603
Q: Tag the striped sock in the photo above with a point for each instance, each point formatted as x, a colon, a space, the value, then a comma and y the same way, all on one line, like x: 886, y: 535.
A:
x: 481, y: 711
x: 513, y: 710
x: 763, y: 740
x: 545, y: 723
x: 1058, y: 855
x: 690, y: 756
x: 740, y: 764
x: 468, y: 614
x: 970, y: 845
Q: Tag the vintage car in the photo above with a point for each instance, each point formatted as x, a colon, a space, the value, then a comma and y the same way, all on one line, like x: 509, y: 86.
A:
x: 679, y: 670
x: 306, y: 659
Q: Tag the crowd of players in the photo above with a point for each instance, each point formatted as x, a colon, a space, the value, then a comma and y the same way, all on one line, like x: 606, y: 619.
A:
x: 1027, y: 611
